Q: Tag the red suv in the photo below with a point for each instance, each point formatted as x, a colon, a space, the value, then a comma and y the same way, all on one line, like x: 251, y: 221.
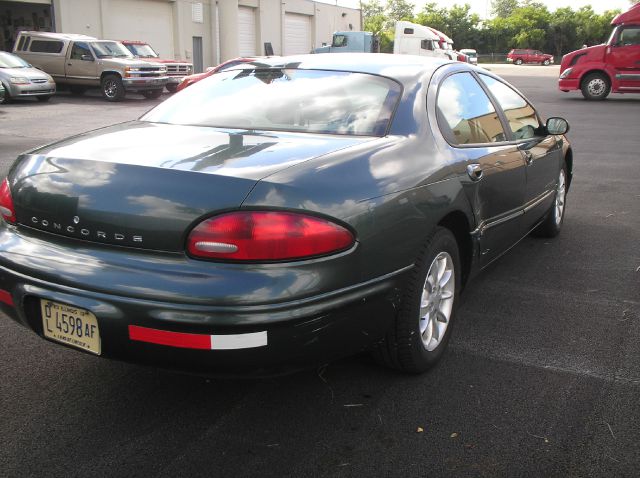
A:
x: 529, y: 56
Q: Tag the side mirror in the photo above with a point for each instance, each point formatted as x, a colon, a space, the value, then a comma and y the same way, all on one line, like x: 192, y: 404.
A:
x: 557, y: 125
x: 86, y: 58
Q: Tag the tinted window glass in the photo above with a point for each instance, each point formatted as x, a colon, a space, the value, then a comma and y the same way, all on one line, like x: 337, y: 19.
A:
x: 285, y: 99
x: 46, y: 46
x: 521, y: 116
x: 408, y: 31
x: 20, y: 43
x: 426, y: 45
x: 465, y: 113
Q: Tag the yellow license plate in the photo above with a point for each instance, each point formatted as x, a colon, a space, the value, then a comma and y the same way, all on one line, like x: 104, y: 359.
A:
x: 70, y: 325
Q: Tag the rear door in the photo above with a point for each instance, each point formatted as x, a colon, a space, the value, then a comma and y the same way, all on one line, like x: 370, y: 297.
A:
x: 494, y: 178
x: 624, y: 56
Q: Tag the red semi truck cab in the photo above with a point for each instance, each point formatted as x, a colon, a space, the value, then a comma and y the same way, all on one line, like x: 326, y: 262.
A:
x: 611, y: 67
x: 176, y: 69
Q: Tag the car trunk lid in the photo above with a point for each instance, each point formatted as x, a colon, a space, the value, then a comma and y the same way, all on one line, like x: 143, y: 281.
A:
x: 146, y: 185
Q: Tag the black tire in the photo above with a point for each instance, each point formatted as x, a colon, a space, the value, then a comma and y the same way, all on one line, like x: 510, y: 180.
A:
x: 152, y: 94
x: 595, y: 86
x: 552, y: 224
x: 404, y: 346
x: 43, y: 99
x: 6, y: 98
x: 112, y: 88
x: 518, y: 61
x: 171, y: 88
x: 77, y: 90
x: 546, y: 62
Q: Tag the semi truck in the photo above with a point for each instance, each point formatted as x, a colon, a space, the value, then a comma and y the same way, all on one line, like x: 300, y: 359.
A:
x: 613, y: 67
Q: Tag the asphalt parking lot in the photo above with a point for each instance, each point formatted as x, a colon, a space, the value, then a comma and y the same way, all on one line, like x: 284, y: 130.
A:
x: 541, y: 378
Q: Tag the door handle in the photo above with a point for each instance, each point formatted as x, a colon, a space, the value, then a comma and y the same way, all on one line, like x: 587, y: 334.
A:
x: 475, y: 171
x: 528, y: 156
x: 69, y: 64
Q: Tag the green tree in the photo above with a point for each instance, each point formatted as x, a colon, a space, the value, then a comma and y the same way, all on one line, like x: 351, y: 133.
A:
x: 457, y: 22
x: 503, y: 8
x: 399, y: 10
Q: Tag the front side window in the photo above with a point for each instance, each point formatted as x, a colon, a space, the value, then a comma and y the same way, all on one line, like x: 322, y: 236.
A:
x: 79, y: 49
x: 426, y: 45
x: 629, y: 36
x: 522, y: 118
x: 285, y: 99
x: 465, y: 112
x: 339, y: 41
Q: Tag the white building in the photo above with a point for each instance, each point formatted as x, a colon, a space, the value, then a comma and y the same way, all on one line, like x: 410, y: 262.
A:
x: 205, y: 32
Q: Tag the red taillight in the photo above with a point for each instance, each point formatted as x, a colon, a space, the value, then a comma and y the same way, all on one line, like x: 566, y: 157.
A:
x: 6, y: 203
x: 266, y: 236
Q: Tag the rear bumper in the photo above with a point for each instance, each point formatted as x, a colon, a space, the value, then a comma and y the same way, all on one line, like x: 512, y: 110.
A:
x: 302, y: 332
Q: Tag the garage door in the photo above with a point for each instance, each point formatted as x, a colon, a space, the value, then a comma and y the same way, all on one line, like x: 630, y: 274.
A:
x: 146, y: 20
x: 247, y: 31
x: 297, y: 34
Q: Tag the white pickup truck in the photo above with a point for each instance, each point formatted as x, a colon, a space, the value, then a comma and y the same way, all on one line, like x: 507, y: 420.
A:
x: 82, y: 62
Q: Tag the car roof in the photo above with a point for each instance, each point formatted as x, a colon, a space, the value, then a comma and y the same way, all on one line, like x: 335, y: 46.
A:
x: 58, y: 36
x: 384, y: 64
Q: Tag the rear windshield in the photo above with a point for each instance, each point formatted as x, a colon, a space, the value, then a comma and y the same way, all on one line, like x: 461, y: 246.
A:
x: 285, y: 99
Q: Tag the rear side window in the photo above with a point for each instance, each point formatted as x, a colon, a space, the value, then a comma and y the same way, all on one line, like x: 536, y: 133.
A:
x: 21, y: 43
x: 408, y: 31
x: 465, y: 113
x: 46, y: 46
x: 522, y: 118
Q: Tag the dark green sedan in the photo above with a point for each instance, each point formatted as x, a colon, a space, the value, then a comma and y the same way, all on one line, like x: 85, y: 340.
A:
x: 279, y: 216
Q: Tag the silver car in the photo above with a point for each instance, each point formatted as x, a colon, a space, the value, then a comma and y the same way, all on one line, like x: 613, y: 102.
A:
x: 21, y: 80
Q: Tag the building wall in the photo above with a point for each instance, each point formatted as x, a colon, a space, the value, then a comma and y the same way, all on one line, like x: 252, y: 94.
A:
x: 124, y: 19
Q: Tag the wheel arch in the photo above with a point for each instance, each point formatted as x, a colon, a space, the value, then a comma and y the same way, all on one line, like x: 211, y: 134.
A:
x: 458, y: 224
x: 595, y: 70
x: 568, y: 159
x: 110, y: 72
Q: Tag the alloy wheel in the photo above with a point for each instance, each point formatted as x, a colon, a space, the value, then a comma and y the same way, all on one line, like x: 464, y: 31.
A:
x: 436, y: 303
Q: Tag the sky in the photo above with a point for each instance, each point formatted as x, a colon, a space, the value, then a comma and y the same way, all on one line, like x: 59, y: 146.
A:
x: 483, y: 7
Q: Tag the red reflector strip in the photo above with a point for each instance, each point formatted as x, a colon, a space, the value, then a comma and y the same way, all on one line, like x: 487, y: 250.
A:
x: 172, y: 339
x: 6, y: 297
x: 198, y: 341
